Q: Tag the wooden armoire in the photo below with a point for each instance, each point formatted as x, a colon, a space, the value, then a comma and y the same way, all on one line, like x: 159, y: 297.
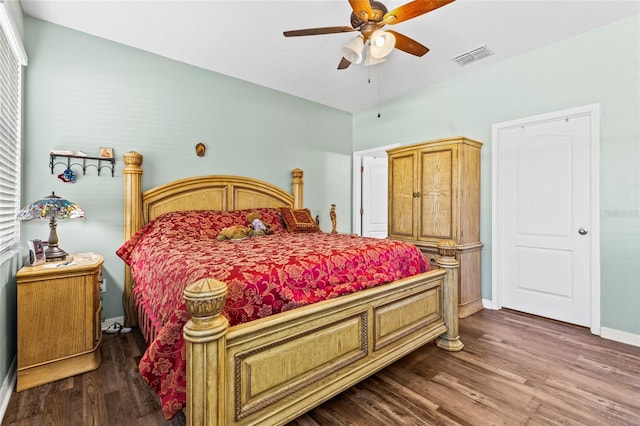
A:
x: 434, y: 195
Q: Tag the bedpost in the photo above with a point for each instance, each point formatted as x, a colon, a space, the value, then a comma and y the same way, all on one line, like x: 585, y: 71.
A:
x: 205, y: 337
x: 132, y: 174
x: 450, y: 341
x: 297, y: 188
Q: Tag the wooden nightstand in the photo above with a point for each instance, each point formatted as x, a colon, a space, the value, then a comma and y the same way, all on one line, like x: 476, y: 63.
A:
x: 59, y: 314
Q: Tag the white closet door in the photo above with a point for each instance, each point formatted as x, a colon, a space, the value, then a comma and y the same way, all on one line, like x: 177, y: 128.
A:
x: 544, y: 209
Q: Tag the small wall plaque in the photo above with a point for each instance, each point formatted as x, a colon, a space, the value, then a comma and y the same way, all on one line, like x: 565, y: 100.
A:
x: 200, y: 149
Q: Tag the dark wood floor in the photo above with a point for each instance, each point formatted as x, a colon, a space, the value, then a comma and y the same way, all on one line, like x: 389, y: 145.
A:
x: 516, y: 369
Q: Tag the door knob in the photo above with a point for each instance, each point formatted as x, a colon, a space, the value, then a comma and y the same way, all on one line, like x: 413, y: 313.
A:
x: 583, y: 231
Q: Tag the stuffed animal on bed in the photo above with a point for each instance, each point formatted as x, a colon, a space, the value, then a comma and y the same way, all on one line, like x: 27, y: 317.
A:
x: 257, y: 225
x: 235, y: 232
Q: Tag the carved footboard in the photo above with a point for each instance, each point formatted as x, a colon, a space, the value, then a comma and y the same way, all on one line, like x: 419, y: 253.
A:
x: 272, y: 370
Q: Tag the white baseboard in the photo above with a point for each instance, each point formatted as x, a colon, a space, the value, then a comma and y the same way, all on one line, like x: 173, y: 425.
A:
x: 487, y: 304
x: 620, y: 336
x: 8, y: 385
x: 109, y: 321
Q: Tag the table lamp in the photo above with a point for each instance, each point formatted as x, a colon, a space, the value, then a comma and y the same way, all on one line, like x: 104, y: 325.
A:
x: 52, y: 208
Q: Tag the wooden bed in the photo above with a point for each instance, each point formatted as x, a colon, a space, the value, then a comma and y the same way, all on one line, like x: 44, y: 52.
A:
x: 274, y: 369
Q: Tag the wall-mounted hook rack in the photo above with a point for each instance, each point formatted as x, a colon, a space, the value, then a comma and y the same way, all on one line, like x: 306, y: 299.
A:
x: 74, y: 160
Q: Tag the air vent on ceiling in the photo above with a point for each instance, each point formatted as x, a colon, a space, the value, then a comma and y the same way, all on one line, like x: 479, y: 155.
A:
x: 472, y: 55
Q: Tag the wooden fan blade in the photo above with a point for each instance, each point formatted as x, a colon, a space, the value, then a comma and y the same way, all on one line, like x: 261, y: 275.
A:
x: 409, y: 45
x: 317, y: 31
x: 413, y: 9
x: 362, y: 9
x: 344, y: 63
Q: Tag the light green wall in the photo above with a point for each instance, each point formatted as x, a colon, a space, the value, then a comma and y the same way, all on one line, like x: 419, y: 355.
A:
x: 83, y: 92
x: 602, y: 66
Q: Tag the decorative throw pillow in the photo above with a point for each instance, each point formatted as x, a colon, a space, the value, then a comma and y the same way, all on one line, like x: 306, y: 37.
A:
x: 298, y: 220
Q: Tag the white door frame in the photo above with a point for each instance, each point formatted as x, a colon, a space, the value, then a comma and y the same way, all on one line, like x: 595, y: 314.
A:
x: 593, y: 111
x: 356, y: 225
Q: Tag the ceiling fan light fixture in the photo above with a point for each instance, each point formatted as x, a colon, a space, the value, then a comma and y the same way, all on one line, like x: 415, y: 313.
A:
x: 381, y: 44
x: 352, y: 51
x: 370, y: 60
x: 379, y: 41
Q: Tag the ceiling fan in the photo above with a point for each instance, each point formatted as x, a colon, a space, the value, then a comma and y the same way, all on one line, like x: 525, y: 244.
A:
x: 368, y: 17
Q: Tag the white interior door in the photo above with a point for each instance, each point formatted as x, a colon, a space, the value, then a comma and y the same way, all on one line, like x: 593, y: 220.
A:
x: 545, y: 217
x: 370, y: 195
x: 374, y: 196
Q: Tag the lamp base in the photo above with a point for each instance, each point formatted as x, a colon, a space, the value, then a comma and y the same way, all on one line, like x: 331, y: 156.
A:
x: 54, y: 254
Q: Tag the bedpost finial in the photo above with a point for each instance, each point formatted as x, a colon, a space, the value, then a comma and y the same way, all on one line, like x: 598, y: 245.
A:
x: 297, y: 173
x: 205, y: 298
x: 132, y: 158
x: 448, y: 249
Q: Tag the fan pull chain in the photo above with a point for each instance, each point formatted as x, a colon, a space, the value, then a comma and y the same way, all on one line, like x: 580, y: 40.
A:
x: 369, y: 81
x: 379, y: 99
x: 379, y: 84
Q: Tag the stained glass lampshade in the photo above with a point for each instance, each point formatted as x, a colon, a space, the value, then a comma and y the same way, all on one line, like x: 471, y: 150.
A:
x: 52, y: 208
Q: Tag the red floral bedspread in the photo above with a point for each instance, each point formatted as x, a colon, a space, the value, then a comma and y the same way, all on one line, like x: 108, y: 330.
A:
x: 265, y: 275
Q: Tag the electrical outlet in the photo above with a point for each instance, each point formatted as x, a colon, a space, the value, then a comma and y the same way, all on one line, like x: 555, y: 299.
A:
x: 103, y: 285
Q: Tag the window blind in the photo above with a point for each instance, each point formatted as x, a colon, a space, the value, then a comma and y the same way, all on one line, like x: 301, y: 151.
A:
x: 10, y: 105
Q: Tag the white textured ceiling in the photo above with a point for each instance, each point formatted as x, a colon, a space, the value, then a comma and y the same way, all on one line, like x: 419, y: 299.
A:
x: 243, y: 39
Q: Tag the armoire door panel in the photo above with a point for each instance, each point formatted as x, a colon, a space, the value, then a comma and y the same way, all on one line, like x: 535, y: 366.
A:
x: 402, y: 218
x: 469, y: 165
x: 436, y: 194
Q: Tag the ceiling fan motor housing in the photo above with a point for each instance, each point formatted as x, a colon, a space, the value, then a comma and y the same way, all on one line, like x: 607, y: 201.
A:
x: 378, y: 9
